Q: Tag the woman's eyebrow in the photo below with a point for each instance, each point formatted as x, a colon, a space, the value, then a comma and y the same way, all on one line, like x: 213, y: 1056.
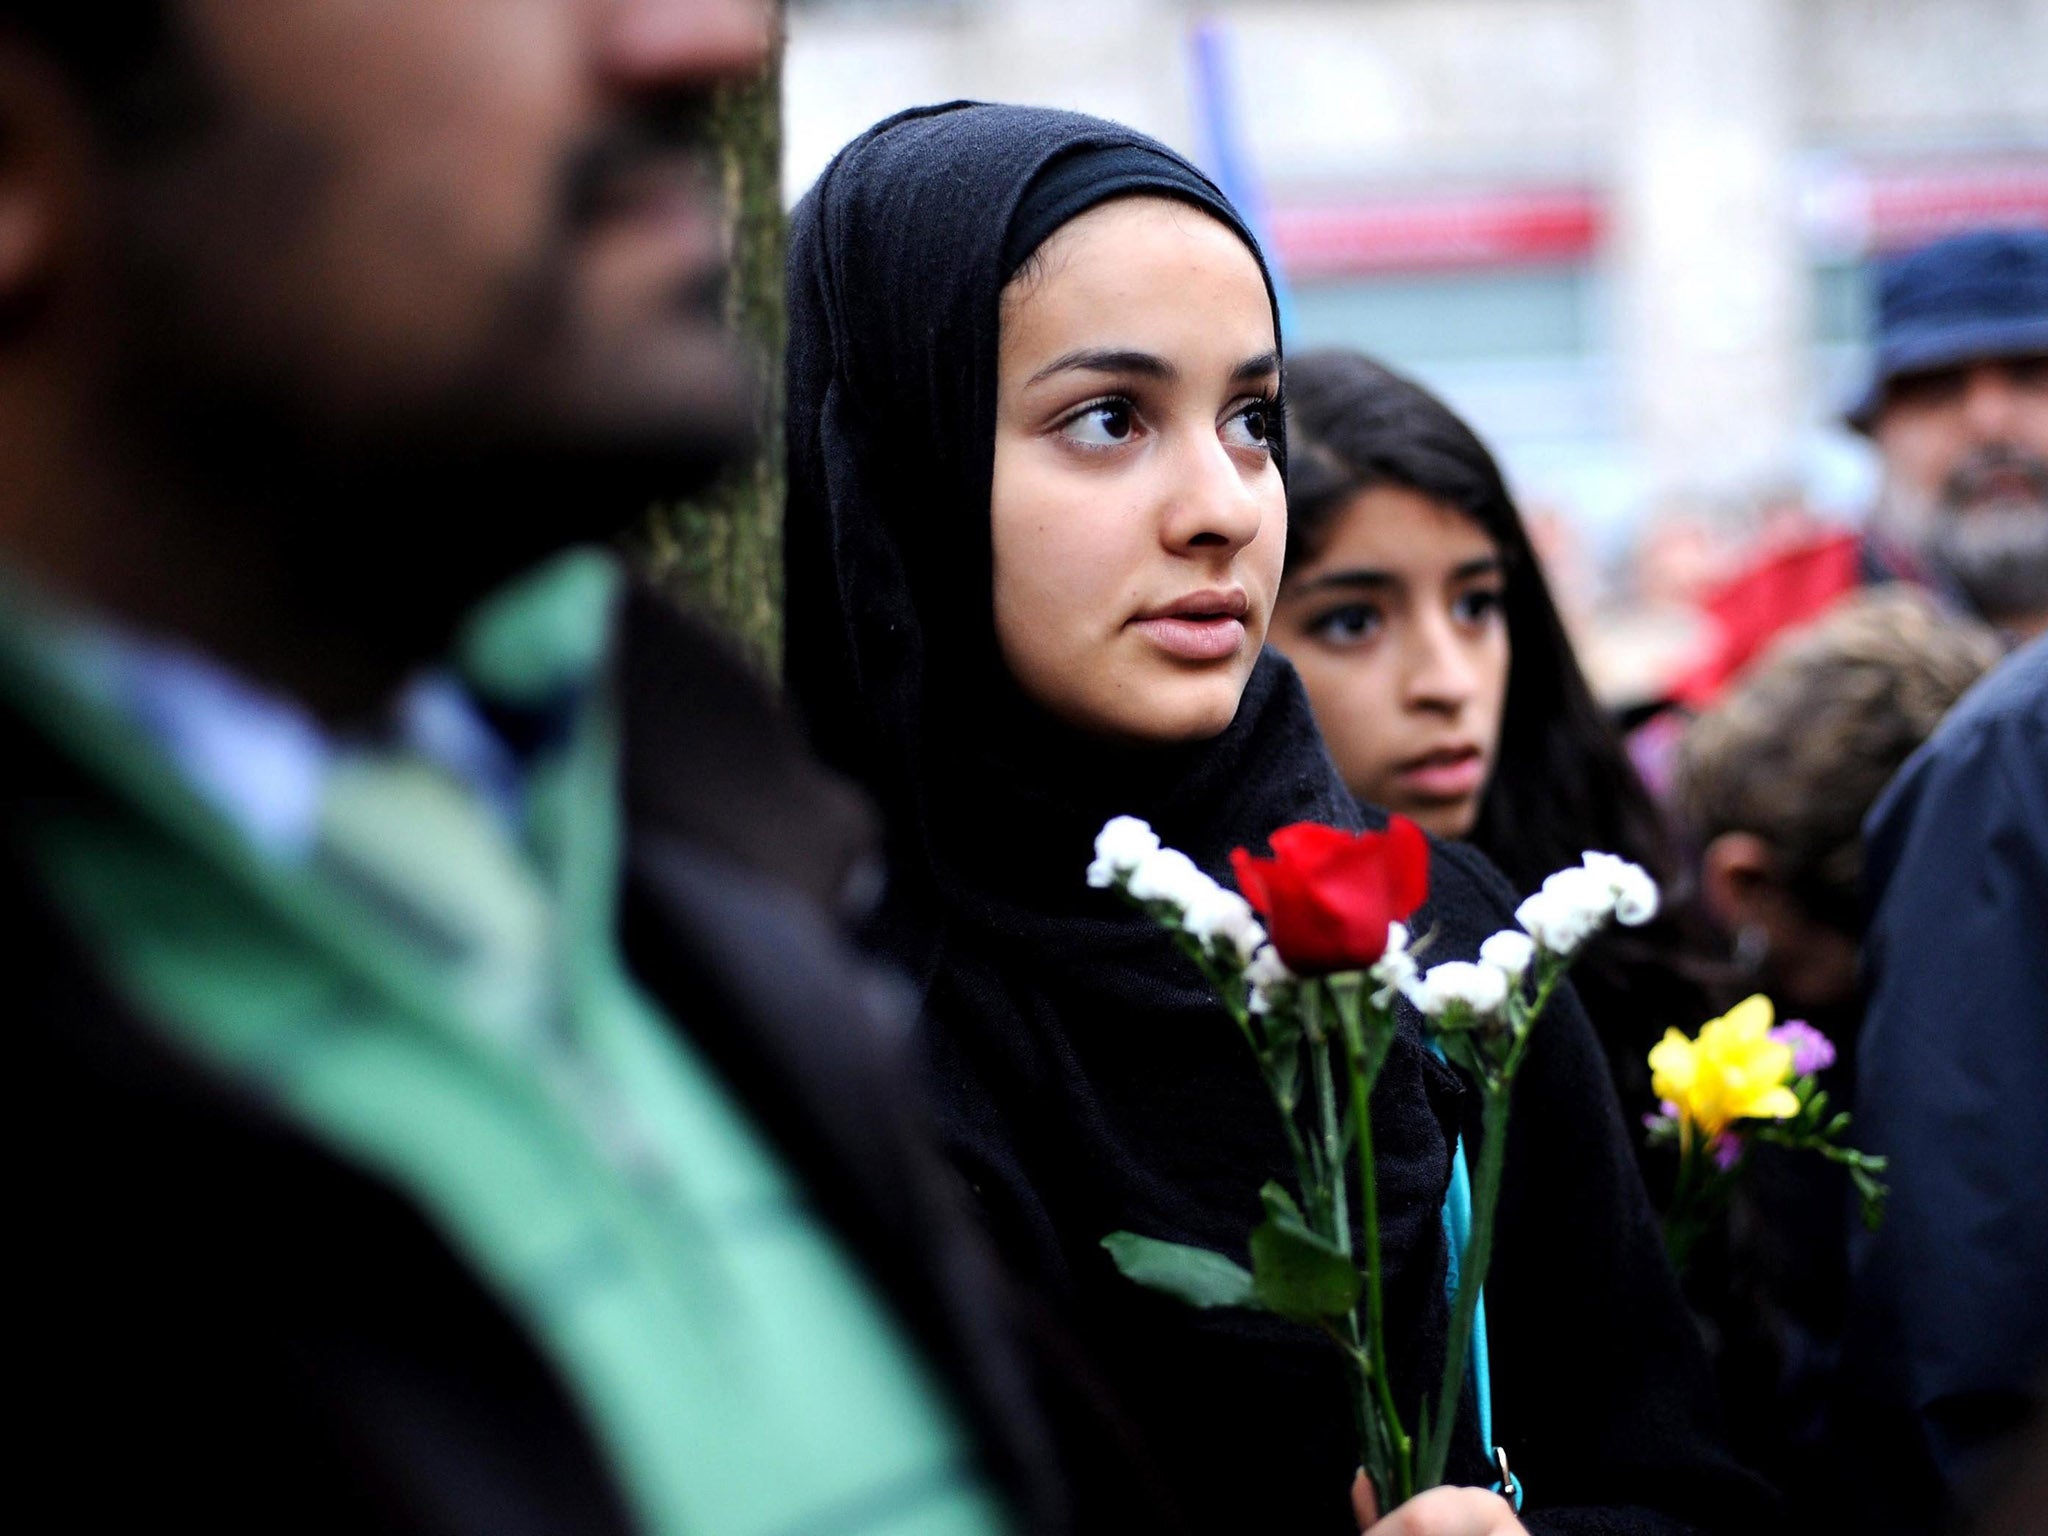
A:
x: 1364, y: 577
x: 1369, y: 578
x: 1107, y: 360
x: 1256, y: 367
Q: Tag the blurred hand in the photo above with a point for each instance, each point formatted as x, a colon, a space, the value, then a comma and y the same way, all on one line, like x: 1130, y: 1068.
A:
x: 1439, y: 1512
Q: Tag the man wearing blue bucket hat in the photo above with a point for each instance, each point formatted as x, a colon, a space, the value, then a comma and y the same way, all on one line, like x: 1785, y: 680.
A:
x: 1943, y: 1357
x: 1957, y: 405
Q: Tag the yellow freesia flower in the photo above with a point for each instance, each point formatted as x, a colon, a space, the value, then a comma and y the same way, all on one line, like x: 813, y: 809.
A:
x: 1733, y: 1071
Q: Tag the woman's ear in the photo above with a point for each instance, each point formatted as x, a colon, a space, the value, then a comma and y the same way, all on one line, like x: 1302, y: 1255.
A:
x: 1739, y: 881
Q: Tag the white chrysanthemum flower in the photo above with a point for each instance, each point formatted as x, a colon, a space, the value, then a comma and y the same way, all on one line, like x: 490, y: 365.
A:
x: 1121, y: 846
x: 1481, y: 988
x: 1573, y: 905
x: 1395, y: 970
x: 1584, y: 889
x: 1222, y: 916
x: 1168, y: 875
x: 1267, y: 975
x: 1557, y: 925
x: 1634, y: 892
x: 1395, y: 973
x: 1508, y: 952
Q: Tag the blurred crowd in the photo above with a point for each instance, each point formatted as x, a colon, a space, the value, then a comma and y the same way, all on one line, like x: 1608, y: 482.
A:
x: 488, y: 1064
x: 1765, y: 782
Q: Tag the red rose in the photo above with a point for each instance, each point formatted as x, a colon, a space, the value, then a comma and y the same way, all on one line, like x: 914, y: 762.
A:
x: 1327, y: 896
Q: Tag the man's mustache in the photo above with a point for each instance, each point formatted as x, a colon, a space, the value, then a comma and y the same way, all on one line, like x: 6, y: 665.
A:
x: 1980, y: 476
x: 661, y: 136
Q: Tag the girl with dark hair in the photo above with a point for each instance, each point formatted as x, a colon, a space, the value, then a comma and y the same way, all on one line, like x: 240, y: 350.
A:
x: 1036, y: 510
x: 1416, y: 612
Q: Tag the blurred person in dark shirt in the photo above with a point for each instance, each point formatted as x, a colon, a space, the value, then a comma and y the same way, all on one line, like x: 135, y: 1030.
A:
x: 361, y: 1180
x: 1947, y: 1339
x: 1773, y: 784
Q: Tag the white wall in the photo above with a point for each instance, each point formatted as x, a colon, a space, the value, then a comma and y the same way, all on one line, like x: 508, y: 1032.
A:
x: 1704, y: 123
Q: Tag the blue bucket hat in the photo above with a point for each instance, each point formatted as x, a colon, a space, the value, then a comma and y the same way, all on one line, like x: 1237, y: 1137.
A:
x: 1973, y: 296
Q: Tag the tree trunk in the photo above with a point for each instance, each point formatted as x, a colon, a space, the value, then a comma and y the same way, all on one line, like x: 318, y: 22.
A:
x: 720, y: 553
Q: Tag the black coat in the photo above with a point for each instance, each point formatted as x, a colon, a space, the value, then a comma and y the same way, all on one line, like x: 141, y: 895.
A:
x: 1947, y: 1344
x: 1073, y: 1116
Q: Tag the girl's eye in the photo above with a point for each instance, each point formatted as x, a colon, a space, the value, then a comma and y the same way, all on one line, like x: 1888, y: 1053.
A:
x: 1104, y: 424
x: 1251, y: 426
x: 1478, y: 605
x: 1353, y: 624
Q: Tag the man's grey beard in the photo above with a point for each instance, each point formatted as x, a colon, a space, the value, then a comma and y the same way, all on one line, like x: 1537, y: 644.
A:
x: 1997, y: 556
x: 1995, y: 552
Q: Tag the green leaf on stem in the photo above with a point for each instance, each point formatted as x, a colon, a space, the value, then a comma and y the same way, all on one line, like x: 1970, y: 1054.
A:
x: 1296, y: 1273
x: 1871, y: 1191
x: 1283, y: 1074
x: 1464, y: 1051
x: 1280, y: 1204
x: 1193, y: 1275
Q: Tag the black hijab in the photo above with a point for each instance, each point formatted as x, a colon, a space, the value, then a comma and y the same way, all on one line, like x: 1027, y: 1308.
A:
x: 898, y: 259
x: 1083, y: 1078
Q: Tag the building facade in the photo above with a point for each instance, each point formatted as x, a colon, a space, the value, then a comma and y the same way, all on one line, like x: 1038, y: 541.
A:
x: 1627, y: 237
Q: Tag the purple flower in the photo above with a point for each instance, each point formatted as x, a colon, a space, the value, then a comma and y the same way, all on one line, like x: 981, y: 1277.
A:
x: 1812, y: 1051
x: 1727, y: 1148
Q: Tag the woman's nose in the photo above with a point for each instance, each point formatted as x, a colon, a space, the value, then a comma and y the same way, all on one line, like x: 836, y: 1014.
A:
x: 1212, y: 500
x: 1441, y: 674
x: 660, y: 45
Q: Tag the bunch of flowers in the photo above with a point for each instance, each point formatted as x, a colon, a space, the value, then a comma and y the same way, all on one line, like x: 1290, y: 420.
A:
x: 1739, y: 1082
x: 1310, y: 958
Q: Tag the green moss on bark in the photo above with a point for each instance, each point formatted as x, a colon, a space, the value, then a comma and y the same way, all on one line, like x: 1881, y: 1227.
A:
x: 720, y: 553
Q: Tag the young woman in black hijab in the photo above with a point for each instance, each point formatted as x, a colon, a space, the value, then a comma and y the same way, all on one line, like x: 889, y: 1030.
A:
x: 1035, y: 526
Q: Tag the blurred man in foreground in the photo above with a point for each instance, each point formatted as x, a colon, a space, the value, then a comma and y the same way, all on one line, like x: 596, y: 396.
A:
x: 359, y: 1183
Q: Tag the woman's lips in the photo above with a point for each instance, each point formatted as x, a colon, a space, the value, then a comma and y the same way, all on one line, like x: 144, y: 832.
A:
x: 1199, y: 626
x: 1450, y: 775
x: 1203, y: 639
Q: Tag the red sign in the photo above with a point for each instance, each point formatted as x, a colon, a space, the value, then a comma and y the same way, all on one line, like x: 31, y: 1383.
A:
x: 1857, y: 210
x: 1477, y: 229
x: 1852, y: 210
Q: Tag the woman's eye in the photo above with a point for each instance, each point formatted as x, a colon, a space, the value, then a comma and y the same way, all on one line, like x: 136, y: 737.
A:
x: 1251, y: 427
x: 1353, y: 624
x: 1101, y: 425
x: 1478, y: 606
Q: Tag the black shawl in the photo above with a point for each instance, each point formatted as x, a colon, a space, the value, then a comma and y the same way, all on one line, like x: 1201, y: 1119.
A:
x: 1083, y: 1079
